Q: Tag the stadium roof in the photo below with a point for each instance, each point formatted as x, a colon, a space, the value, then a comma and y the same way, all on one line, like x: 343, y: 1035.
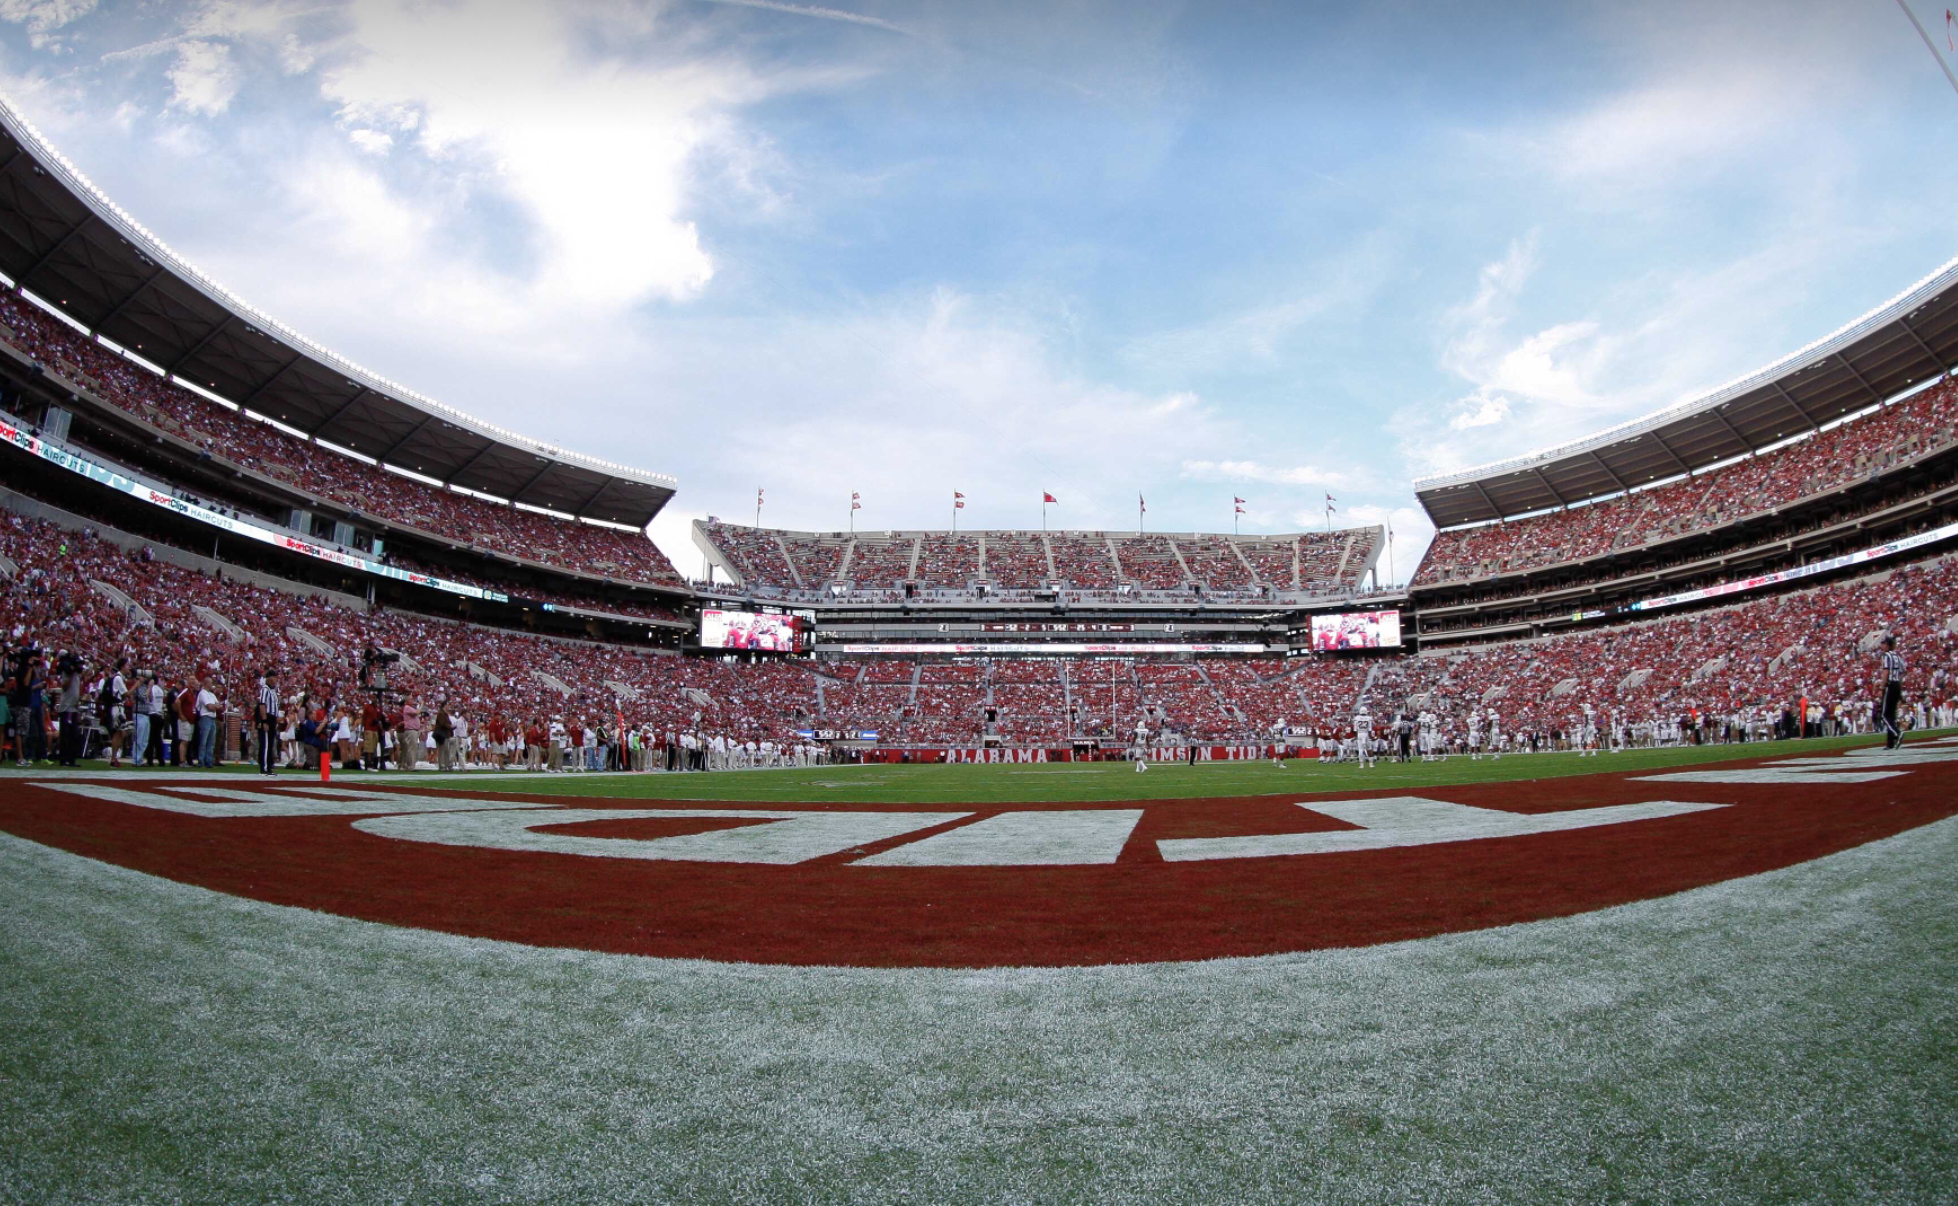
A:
x: 1906, y: 341
x: 64, y: 241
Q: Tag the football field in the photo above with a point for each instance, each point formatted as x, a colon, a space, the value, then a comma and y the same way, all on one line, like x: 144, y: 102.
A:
x: 935, y: 983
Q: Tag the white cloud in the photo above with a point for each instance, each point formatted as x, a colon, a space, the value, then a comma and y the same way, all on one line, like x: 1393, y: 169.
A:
x: 1548, y: 379
x: 203, y: 79
x: 599, y: 155
x: 819, y: 12
x: 1641, y: 138
x: 905, y: 403
x: 296, y: 57
x: 374, y: 142
x: 42, y: 17
x: 1482, y: 408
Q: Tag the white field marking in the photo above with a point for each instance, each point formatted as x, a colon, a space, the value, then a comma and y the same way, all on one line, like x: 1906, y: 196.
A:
x: 235, y: 803
x: 1413, y: 821
x: 1777, y: 773
x: 791, y: 837
x: 1045, y: 773
x: 1021, y: 839
x: 1920, y: 752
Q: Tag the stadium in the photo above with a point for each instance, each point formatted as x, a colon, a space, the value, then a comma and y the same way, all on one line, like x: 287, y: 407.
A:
x: 386, y: 815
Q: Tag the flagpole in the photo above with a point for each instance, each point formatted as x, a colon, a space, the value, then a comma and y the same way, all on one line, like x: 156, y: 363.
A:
x: 757, y: 506
x: 1929, y: 45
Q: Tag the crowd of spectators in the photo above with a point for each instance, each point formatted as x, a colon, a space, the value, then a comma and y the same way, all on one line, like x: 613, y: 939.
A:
x: 1276, y: 562
x: 1092, y: 565
x: 1214, y: 562
x: 880, y: 561
x: 1750, y: 659
x: 1016, y: 560
x: 57, y: 601
x: 756, y: 554
x: 364, y: 490
x: 73, y: 592
x: 1150, y: 562
x: 946, y: 560
x: 1849, y: 452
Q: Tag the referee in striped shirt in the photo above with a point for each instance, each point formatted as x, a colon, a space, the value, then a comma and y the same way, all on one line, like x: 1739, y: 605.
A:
x: 1893, y: 692
x: 268, y: 723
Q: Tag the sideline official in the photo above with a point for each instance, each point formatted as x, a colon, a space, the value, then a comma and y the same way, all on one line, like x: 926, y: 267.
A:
x: 267, y: 715
x: 1893, y: 692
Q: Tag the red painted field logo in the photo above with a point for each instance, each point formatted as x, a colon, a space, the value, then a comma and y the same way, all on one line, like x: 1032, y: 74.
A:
x: 951, y: 885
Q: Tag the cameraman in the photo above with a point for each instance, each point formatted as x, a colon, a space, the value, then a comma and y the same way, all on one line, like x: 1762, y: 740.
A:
x: 68, y: 704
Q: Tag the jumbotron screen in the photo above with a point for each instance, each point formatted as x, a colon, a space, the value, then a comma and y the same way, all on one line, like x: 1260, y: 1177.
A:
x: 764, y: 632
x: 1356, y: 630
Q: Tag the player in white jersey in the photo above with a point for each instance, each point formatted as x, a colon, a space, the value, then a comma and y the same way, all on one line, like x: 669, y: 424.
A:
x: 1363, y: 736
x: 1475, y: 736
x: 1424, y: 734
x: 1495, y: 734
x: 1588, y: 733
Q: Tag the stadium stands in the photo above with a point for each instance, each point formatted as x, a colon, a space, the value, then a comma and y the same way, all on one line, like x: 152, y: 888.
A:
x: 1091, y: 563
x: 364, y: 490
x: 1017, y: 560
x: 1735, y: 666
x: 948, y: 560
x: 1854, y: 451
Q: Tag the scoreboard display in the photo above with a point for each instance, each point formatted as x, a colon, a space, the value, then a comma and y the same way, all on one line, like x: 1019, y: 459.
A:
x: 1356, y: 630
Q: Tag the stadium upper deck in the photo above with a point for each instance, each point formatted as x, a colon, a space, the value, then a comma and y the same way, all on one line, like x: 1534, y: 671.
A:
x: 65, y: 242
x: 1909, y: 340
x: 952, y: 566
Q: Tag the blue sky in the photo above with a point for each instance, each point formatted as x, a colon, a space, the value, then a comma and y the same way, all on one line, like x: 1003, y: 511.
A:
x: 1192, y: 252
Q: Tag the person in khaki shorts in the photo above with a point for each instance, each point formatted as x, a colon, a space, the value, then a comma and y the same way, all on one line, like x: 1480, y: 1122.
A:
x: 533, y: 744
x: 410, y: 742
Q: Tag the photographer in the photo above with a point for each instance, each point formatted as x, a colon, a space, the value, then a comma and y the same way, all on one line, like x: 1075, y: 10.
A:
x: 68, y: 705
x: 150, y: 717
x: 34, y: 681
x: 112, y: 709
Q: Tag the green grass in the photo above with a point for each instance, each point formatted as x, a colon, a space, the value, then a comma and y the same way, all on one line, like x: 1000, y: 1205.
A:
x: 1063, y: 781
x: 1056, y: 782
x: 1783, y: 1038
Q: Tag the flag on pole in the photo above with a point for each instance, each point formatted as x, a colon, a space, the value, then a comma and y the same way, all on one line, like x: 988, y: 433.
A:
x: 854, y: 496
x: 1239, y: 510
x: 1140, y: 501
x: 855, y: 505
x: 959, y: 505
x: 1238, y: 501
x: 1048, y: 498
